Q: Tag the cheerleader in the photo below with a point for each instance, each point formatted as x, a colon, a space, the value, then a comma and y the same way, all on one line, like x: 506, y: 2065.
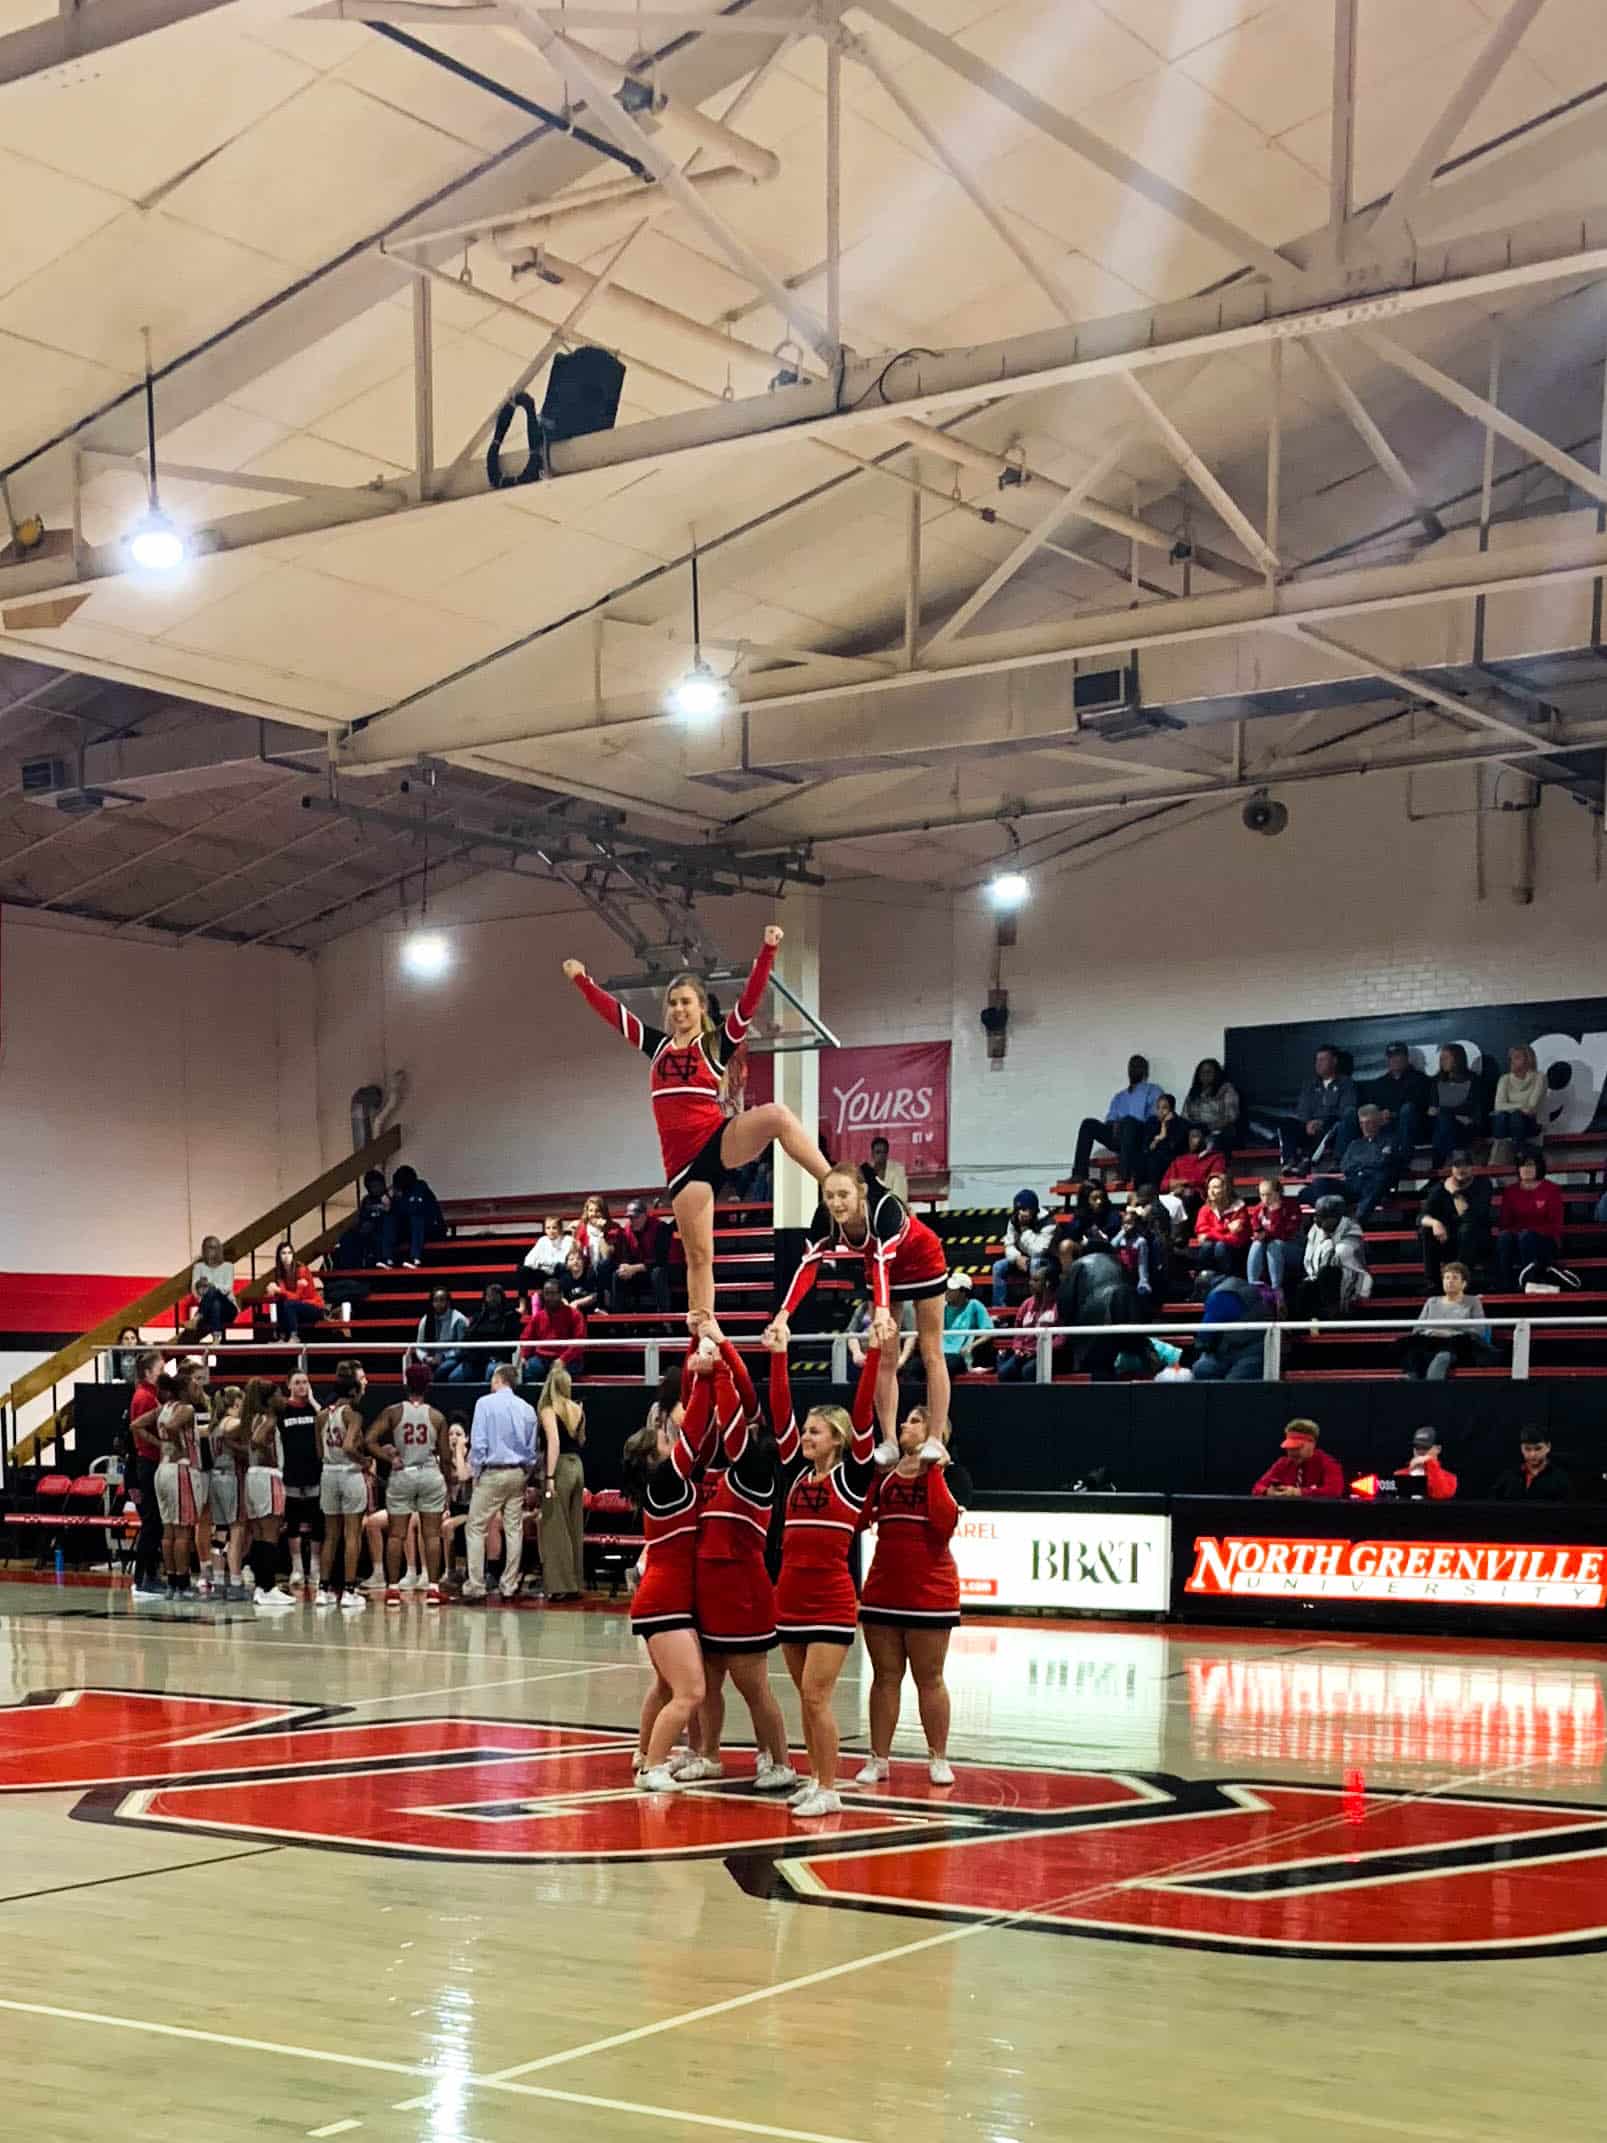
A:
x: 816, y: 1610
x: 735, y: 1605
x: 903, y: 1262
x: 663, y: 1466
x: 911, y: 1597
x: 701, y: 1145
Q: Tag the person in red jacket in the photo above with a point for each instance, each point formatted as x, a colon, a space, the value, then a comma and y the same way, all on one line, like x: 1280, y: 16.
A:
x: 294, y: 1295
x: 1221, y: 1228
x: 1529, y: 1222
x: 1188, y: 1175
x: 543, y: 1335
x: 1303, y: 1470
x: 1441, y: 1482
x: 1276, y: 1221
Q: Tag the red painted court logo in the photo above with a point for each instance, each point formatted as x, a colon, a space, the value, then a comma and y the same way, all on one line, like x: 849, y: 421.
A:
x: 1293, y: 1869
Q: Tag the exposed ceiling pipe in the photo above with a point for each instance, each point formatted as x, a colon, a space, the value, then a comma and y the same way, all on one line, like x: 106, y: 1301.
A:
x: 713, y: 134
x: 605, y: 218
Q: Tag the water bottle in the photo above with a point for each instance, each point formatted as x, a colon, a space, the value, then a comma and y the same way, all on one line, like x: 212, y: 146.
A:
x: 61, y: 1563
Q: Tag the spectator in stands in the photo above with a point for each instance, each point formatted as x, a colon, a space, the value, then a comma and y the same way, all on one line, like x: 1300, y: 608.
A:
x: 1183, y: 1185
x: 1450, y: 1329
x: 1100, y: 1218
x: 577, y: 1283
x: 1369, y: 1166
x: 295, y: 1294
x: 1027, y: 1237
x: 1142, y: 1249
x: 1456, y: 1109
x: 1520, y: 1095
x: 1303, y: 1470
x: 125, y: 1356
x: 1221, y: 1228
x: 143, y: 1407
x: 1212, y: 1102
x: 890, y: 1174
x: 1456, y: 1219
x: 1016, y: 1360
x: 415, y: 1208
x: 549, y: 1333
x: 1127, y: 1126
x: 642, y: 1274
x: 1223, y: 1354
x: 1167, y: 1141
x: 439, y: 1331
x: 1336, y: 1275
x: 859, y: 1326
x: 1402, y: 1097
x: 964, y: 1320
x: 1534, y: 1479
x: 1275, y: 1224
x: 548, y: 1253
x: 363, y: 1243
x: 597, y: 1239
x: 1326, y: 1099
x: 1528, y: 1224
x: 1425, y: 1459
x: 212, y: 1285
x: 497, y: 1320
x: 1094, y: 1291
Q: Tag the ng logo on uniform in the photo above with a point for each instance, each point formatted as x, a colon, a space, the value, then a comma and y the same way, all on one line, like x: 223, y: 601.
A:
x: 1223, y: 1864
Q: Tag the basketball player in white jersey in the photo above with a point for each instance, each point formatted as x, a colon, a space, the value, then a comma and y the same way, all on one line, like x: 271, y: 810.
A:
x: 414, y: 1441
x: 231, y: 1454
x: 180, y: 1484
x: 342, y: 1494
x: 265, y: 1492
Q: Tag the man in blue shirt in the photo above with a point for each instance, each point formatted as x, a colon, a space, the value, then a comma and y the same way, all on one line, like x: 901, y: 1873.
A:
x: 1129, y: 1124
x: 502, y: 1459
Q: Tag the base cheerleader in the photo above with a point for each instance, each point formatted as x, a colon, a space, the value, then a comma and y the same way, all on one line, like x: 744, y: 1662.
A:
x: 911, y: 1598
x: 701, y: 1145
x: 816, y: 1608
x: 664, y: 1465
x: 903, y: 1262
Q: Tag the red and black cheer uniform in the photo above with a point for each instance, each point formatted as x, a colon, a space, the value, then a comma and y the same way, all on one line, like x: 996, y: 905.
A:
x: 664, y: 1598
x: 912, y: 1582
x: 815, y: 1600
x: 685, y: 1083
x: 904, y: 1261
x: 736, y: 1604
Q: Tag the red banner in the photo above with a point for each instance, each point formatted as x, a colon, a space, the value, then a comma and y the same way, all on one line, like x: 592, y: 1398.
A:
x: 893, y: 1090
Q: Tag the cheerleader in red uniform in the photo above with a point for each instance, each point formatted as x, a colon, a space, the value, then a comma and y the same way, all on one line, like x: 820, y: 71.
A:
x: 903, y: 1262
x: 816, y: 1608
x: 701, y: 1144
x: 911, y: 1598
x: 735, y: 1604
x: 663, y: 1467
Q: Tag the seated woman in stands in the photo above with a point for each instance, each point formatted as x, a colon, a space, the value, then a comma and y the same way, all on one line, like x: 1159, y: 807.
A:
x: 1183, y: 1185
x: 1520, y: 1095
x: 1451, y: 1331
x: 1528, y: 1223
x: 1016, y: 1360
x: 1276, y: 1223
x: 212, y: 1285
x: 1456, y: 1107
x: 415, y: 1208
x: 581, y: 1288
x: 1212, y: 1102
x: 1221, y: 1228
x: 295, y: 1295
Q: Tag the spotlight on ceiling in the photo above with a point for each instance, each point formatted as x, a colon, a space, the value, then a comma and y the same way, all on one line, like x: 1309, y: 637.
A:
x: 1008, y: 890
x: 426, y: 955
x: 699, y: 695
x: 155, y: 545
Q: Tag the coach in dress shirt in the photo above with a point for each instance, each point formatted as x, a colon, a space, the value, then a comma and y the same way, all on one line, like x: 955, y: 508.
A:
x: 502, y: 1458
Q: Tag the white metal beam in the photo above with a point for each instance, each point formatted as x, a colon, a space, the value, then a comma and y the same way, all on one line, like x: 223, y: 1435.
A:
x: 1209, y: 484
x: 1081, y: 140
x: 1342, y: 135
x: 454, y: 715
x: 1441, y: 137
x: 1415, y: 687
x: 52, y: 52
x: 1373, y: 438
x: 1534, y: 444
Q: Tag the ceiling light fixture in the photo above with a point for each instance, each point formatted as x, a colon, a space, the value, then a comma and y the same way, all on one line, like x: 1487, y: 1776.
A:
x: 426, y: 955
x: 1009, y: 888
x: 155, y: 543
x: 699, y: 693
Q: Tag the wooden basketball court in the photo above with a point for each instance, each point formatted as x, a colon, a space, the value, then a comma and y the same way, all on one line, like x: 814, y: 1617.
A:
x: 386, y: 1877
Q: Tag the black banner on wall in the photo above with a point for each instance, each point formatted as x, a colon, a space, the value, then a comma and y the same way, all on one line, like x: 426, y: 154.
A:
x: 1568, y: 1035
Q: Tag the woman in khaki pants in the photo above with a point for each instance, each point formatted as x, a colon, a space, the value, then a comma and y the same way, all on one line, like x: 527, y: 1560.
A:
x: 563, y: 1516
